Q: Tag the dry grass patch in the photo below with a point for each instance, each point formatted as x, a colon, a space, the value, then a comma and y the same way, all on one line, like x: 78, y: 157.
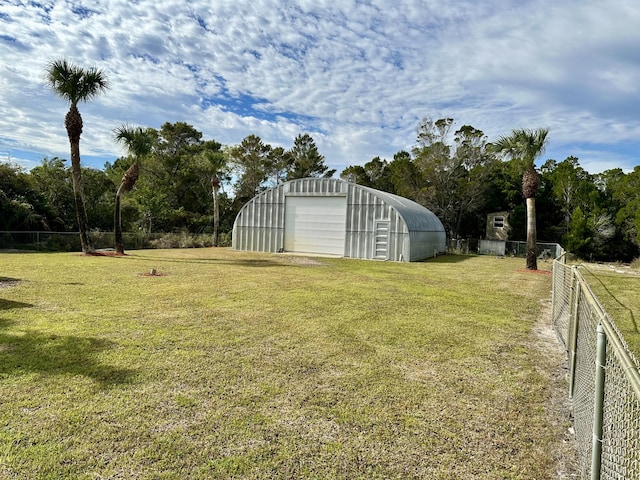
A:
x: 242, y: 365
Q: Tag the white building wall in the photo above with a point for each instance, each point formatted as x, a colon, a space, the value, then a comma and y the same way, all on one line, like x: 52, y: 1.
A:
x: 260, y: 225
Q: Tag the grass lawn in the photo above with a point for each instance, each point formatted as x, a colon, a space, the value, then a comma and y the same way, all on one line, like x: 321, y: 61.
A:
x: 618, y: 290
x: 242, y: 365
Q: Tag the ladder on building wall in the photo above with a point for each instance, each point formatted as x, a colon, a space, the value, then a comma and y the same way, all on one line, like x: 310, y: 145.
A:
x: 381, y: 240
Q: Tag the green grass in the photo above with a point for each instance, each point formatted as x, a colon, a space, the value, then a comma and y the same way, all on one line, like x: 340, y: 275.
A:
x: 243, y: 365
x: 618, y: 290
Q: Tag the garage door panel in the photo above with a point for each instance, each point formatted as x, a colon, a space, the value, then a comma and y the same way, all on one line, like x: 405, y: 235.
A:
x: 315, y: 224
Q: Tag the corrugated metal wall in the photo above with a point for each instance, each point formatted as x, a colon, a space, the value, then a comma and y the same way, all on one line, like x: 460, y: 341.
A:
x: 310, y: 186
x: 259, y: 227
x: 363, y: 209
x: 426, y: 244
x: 260, y: 224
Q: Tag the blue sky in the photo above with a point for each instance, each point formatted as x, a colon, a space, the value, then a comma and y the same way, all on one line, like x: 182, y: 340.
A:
x: 356, y: 75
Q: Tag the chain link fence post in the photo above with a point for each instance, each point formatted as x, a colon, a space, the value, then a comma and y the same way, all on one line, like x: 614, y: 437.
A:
x: 572, y: 335
x: 598, y: 408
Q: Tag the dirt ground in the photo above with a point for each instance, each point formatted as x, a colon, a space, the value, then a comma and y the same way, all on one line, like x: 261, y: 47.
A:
x: 558, y: 402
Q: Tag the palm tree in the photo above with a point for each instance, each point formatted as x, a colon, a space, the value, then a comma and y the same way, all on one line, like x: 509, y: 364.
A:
x: 139, y: 143
x: 524, y: 146
x: 76, y: 84
x: 214, y: 161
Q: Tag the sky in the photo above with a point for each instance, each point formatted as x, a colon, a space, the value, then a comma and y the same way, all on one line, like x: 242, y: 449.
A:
x: 356, y: 75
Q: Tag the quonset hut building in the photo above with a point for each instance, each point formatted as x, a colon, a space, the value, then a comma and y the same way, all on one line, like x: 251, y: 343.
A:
x: 333, y: 217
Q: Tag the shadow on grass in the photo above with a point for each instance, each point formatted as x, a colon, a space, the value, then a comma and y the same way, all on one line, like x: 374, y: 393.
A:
x: 8, y: 282
x: 50, y: 354
x: 10, y: 304
x: 449, y: 258
x: 629, y: 310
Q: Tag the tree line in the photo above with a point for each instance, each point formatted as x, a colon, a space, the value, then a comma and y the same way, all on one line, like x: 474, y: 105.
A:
x: 182, y: 174
x: 461, y: 176
x: 174, y: 180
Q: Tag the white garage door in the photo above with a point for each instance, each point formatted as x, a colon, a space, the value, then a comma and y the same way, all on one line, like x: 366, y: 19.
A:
x: 315, y: 224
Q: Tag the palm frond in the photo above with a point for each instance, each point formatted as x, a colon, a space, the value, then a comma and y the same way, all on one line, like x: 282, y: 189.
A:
x: 523, y: 144
x: 137, y: 140
x: 94, y: 82
x: 74, y: 83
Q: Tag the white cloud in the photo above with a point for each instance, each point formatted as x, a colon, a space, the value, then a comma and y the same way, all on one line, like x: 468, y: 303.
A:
x: 356, y: 76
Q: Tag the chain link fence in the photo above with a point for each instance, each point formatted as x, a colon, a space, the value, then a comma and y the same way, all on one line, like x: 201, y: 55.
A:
x: 467, y: 246
x: 604, y: 380
x: 70, y: 241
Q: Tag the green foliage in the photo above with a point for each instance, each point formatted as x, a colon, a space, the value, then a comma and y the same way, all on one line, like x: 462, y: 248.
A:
x: 101, y: 190
x: 376, y: 173
x: 182, y: 240
x: 139, y: 144
x: 52, y: 178
x: 74, y: 83
x: 451, y: 180
x: 305, y: 160
x: 22, y: 205
x: 594, y: 216
x: 174, y: 191
x: 225, y: 239
x: 522, y: 146
x: 251, y: 162
x: 406, y: 177
x: 60, y: 243
x: 257, y: 165
x: 137, y: 140
x: 577, y: 239
x: 454, y: 173
x: 627, y: 196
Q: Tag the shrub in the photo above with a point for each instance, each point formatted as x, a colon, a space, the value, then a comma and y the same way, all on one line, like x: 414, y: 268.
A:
x: 224, y: 239
x: 182, y: 240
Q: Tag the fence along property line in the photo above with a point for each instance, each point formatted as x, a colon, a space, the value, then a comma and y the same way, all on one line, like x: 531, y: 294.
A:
x: 604, y: 380
x: 70, y: 241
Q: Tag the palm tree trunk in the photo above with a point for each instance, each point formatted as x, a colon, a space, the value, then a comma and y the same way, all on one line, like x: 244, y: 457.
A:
x: 73, y: 124
x: 128, y: 181
x: 215, y: 186
x: 117, y: 222
x: 78, y: 193
x: 532, y: 257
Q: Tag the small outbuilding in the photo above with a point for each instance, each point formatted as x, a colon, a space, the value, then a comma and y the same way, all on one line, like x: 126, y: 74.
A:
x: 329, y: 216
x: 498, y: 226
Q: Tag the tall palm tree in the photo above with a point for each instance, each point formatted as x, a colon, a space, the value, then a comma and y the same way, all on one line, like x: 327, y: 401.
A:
x: 214, y: 162
x: 524, y: 146
x: 76, y: 84
x: 139, y: 143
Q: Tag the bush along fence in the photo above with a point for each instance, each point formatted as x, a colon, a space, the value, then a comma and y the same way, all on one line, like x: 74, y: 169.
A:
x: 70, y: 241
x: 604, y: 380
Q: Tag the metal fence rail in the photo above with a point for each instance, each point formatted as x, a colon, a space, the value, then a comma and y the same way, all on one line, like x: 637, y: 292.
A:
x: 604, y: 380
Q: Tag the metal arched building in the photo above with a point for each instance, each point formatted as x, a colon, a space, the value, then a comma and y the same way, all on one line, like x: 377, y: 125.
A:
x: 334, y: 217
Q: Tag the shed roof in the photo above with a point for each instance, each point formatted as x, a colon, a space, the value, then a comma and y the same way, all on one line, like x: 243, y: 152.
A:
x: 416, y: 217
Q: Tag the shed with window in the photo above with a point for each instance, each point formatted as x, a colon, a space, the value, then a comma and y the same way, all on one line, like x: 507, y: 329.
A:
x: 328, y: 216
x: 498, y: 226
